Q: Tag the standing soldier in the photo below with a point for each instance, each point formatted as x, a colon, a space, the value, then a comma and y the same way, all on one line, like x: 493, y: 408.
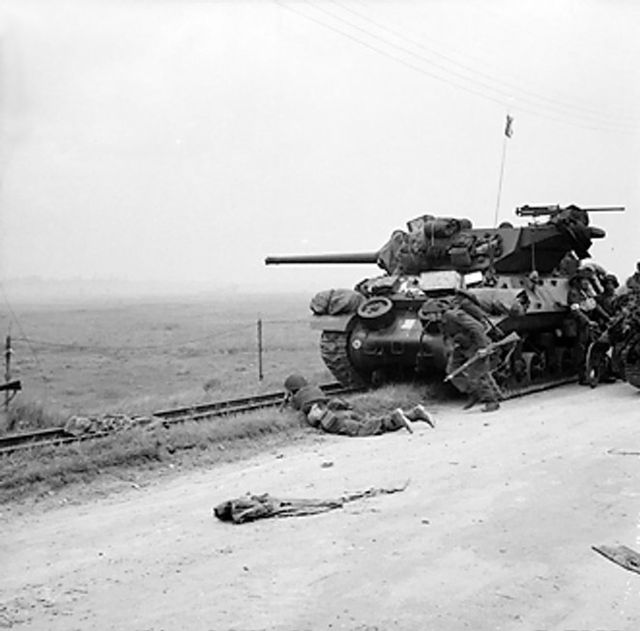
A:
x: 584, y: 310
x: 608, y: 299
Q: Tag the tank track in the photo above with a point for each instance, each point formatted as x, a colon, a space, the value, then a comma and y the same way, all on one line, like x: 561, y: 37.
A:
x: 528, y: 373
x: 632, y: 374
x: 333, y: 350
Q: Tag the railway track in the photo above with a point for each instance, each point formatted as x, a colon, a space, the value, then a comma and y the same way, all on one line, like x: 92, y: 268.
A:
x: 59, y: 436
x: 206, y: 411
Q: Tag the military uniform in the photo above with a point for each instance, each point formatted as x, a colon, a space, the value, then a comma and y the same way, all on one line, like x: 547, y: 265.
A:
x: 339, y: 417
x: 583, y: 309
x: 633, y: 282
x: 467, y: 336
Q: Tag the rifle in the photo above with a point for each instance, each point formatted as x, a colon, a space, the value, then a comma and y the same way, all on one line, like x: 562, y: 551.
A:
x: 512, y: 338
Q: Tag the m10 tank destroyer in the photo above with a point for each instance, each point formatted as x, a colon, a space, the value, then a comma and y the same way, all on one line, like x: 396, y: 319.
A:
x: 518, y: 276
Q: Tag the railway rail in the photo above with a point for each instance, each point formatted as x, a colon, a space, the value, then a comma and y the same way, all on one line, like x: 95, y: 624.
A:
x: 201, y: 412
x: 58, y: 435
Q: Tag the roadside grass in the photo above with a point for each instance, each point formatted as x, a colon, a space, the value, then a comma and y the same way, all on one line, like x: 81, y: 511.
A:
x: 137, y: 358
x: 26, y: 414
x: 38, y: 471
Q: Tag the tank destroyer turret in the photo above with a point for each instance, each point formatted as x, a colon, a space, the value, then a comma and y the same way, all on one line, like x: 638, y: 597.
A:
x: 517, y: 276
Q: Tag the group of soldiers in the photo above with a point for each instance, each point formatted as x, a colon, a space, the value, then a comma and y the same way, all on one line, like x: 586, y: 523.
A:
x: 602, y: 311
x: 599, y: 309
x: 463, y: 326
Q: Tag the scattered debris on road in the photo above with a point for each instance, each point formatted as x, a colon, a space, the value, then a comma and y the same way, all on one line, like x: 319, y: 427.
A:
x: 252, y: 507
x: 626, y: 557
x: 622, y: 452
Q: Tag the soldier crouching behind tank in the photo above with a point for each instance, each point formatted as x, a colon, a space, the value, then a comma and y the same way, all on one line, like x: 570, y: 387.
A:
x: 465, y: 337
x: 336, y: 416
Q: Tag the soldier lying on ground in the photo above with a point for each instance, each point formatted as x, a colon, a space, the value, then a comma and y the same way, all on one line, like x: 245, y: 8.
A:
x: 336, y: 416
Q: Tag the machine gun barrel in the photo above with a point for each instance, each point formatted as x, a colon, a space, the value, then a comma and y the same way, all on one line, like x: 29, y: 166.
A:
x: 554, y: 209
x: 353, y: 258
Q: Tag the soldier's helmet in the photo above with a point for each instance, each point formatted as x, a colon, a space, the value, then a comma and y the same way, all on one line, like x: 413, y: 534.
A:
x: 430, y: 314
x: 612, y: 279
x: 294, y: 382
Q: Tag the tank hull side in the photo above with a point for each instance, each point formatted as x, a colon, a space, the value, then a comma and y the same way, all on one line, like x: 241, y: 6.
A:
x: 399, y: 348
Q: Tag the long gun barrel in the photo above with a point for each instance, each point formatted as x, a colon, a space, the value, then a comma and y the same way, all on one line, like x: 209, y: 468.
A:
x: 554, y: 209
x: 353, y: 258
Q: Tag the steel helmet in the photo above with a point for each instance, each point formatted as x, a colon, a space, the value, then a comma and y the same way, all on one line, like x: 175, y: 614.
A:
x: 294, y: 382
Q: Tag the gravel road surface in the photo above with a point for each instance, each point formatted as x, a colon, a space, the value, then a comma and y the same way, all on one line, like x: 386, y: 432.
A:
x: 494, y: 531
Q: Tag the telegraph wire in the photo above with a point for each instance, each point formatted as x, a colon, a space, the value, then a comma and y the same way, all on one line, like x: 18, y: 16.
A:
x: 499, y: 90
x: 555, y: 102
x: 501, y: 101
x: 383, y: 52
x: 110, y: 349
x: 73, y: 346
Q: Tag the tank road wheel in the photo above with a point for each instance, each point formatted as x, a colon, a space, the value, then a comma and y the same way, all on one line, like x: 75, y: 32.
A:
x: 333, y: 350
x: 553, y: 361
x: 632, y: 373
x: 596, y: 363
x: 567, y: 361
x: 528, y: 368
x: 519, y: 372
x: 535, y: 366
x: 376, y: 312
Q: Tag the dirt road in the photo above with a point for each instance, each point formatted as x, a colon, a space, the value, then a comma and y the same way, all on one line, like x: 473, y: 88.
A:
x: 494, y: 531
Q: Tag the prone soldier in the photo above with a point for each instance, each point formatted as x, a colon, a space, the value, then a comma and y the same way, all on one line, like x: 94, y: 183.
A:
x: 337, y: 416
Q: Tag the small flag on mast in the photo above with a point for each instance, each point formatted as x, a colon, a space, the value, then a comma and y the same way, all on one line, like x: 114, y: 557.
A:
x: 508, y: 128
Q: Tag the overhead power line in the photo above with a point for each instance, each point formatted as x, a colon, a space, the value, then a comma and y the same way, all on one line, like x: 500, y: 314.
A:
x: 508, y: 86
x: 501, y: 99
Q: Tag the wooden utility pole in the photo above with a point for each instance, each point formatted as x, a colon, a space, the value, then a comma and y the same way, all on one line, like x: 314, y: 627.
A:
x: 260, y: 375
x: 7, y: 373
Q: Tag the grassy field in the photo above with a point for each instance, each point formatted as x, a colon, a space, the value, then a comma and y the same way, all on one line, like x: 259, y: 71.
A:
x: 136, y: 357
x: 140, y: 357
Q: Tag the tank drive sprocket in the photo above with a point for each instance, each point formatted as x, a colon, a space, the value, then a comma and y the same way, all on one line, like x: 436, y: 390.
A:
x: 333, y: 350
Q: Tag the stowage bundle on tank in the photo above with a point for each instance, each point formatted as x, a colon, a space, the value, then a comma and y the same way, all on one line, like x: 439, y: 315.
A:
x: 516, y: 283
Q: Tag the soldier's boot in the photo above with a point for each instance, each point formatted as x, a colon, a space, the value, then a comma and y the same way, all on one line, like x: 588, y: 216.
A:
x: 490, y: 406
x: 401, y: 420
x: 471, y: 401
x: 419, y: 413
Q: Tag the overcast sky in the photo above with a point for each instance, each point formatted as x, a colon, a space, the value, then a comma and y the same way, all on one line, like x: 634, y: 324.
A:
x: 185, y: 141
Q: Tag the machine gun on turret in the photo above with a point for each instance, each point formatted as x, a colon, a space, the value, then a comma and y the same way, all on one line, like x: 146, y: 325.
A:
x: 552, y: 210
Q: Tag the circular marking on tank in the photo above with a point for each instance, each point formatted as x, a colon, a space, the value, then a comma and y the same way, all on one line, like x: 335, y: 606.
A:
x: 356, y: 344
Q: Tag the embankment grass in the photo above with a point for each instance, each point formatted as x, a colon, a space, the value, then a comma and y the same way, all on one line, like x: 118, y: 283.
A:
x: 38, y: 471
